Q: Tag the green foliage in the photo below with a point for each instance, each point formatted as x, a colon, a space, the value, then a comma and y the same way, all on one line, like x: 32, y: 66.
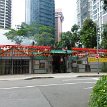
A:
x: 104, y: 37
x: 88, y: 34
x: 104, y: 67
x: 69, y: 38
x: 98, y: 97
x: 45, y: 36
x: 13, y: 35
x: 48, y: 29
x: 44, y: 39
x: 33, y: 31
x: 75, y: 28
x: 75, y: 33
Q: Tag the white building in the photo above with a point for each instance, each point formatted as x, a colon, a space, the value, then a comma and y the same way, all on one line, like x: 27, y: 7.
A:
x: 95, y: 11
x: 83, y: 11
x: 5, y: 13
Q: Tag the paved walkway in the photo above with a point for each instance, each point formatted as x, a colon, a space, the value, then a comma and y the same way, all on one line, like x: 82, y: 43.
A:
x: 59, y: 75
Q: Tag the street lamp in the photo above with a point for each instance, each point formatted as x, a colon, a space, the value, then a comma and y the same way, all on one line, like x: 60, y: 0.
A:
x: 98, y: 32
x: 97, y: 56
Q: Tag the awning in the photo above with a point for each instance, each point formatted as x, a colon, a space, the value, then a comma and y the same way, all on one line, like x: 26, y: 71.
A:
x: 37, y: 53
x: 61, y: 51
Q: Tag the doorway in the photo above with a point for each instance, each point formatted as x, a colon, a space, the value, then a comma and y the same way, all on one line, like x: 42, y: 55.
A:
x: 59, y: 64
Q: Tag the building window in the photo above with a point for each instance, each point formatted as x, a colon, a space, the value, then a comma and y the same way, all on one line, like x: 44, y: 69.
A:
x: 94, y: 12
x: 39, y: 64
x: 95, y: 17
x: 94, y: 7
x: 94, y: 1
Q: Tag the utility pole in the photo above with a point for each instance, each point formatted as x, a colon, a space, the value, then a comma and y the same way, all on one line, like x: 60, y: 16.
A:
x: 97, y: 34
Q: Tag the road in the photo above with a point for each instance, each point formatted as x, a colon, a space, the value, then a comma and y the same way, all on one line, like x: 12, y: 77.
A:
x: 53, y: 92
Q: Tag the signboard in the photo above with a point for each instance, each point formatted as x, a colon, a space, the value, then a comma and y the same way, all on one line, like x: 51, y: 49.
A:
x: 102, y: 59
x: 93, y: 59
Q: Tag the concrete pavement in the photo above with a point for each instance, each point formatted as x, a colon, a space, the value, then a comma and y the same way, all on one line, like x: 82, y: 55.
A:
x: 58, y: 75
x: 57, y: 92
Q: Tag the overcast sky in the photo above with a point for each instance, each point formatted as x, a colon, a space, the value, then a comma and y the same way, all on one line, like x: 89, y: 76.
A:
x: 68, y: 8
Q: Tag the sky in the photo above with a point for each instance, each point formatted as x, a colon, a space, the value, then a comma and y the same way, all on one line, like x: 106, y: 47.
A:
x: 68, y: 8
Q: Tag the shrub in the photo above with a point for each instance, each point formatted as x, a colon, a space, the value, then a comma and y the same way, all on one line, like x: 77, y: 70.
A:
x: 104, y: 67
x: 98, y: 96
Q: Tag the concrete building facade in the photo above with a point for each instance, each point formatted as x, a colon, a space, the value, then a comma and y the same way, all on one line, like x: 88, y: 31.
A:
x: 58, y: 24
x: 91, y: 9
x: 98, y: 14
x: 83, y: 11
x: 40, y: 11
x: 5, y: 13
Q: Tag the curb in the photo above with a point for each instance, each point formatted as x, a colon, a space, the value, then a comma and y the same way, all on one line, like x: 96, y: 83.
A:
x: 90, y: 75
x: 31, y: 78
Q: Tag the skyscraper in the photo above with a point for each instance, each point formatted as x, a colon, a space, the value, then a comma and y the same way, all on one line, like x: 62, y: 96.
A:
x: 92, y: 9
x: 98, y: 14
x: 83, y: 11
x: 5, y: 13
x: 40, y: 11
x: 58, y: 24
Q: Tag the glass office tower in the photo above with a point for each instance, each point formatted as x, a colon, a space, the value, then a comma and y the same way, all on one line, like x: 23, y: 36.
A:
x: 41, y: 12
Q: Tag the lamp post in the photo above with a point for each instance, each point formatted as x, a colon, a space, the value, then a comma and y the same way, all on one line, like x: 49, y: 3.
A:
x: 98, y: 32
x: 97, y: 55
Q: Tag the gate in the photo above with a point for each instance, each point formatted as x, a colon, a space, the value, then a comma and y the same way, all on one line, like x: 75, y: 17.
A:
x: 14, y: 66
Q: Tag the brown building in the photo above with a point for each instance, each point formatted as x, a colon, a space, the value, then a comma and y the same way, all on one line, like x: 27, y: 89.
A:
x: 58, y: 24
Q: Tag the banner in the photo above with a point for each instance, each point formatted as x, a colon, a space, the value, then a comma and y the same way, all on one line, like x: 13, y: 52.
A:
x: 93, y: 59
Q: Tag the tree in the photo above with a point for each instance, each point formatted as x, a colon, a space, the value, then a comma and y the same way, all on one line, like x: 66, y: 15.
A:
x: 104, y: 37
x: 13, y: 35
x: 44, y: 39
x: 45, y: 36
x: 31, y: 31
x: 75, y: 28
x: 75, y: 34
x: 88, y: 34
x: 23, y: 31
x: 69, y: 38
x: 66, y: 39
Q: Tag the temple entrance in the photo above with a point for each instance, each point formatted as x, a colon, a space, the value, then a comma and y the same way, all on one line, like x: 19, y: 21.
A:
x: 14, y: 66
x: 59, y: 64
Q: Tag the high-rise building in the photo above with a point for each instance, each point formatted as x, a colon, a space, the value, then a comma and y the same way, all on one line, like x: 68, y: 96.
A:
x: 41, y: 12
x: 91, y: 9
x: 83, y: 11
x: 98, y: 14
x: 5, y: 13
x: 58, y: 24
x: 95, y: 12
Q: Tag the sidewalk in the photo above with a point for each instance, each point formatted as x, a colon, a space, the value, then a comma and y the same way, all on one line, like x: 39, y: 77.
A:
x: 59, y: 75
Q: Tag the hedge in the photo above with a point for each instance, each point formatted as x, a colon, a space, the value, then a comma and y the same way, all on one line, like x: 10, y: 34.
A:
x: 98, y: 96
x: 104, y: 67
